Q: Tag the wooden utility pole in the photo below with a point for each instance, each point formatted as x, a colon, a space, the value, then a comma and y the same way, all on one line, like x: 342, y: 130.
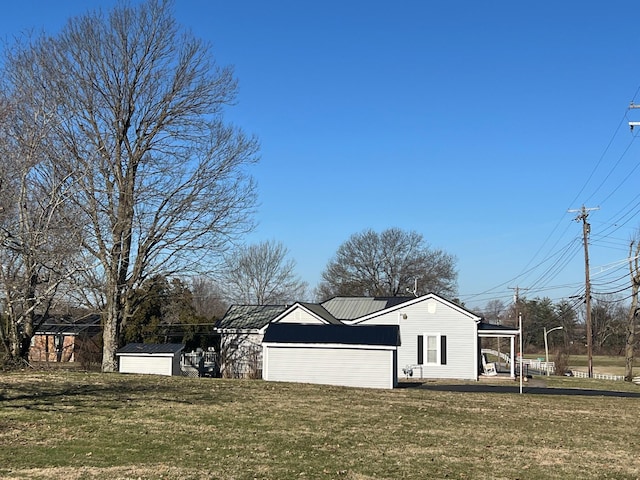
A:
x: 634, y: 270
x: 586, y: 229
x: 516, y: 298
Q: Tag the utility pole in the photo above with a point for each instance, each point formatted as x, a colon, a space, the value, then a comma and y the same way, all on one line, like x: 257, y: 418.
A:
x: 516, y: 299
x: 583, y: 214
x: 518, y: 313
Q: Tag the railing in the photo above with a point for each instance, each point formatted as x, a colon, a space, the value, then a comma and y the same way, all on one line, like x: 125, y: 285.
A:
x: 495, y: 353
x: 541, y: 366
x: 198, y: 364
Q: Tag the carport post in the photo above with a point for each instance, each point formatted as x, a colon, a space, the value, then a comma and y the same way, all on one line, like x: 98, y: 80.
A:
x: 520, y: 333
x: 513, y: 356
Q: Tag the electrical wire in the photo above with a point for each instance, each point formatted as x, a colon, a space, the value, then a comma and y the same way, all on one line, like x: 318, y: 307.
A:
x: 564, y: 255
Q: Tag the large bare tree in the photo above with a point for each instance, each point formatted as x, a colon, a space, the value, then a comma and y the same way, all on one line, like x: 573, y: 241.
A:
x: 389, y: 263
x: 262, y: 274
x: 162, y: 180
x: 37, y: 244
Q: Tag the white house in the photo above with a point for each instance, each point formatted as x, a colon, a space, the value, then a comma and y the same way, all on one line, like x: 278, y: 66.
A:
x: 150, y: 358
x: 438, y: 338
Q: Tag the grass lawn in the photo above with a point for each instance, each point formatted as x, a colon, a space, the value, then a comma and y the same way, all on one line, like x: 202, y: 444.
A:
x: 70, y: 425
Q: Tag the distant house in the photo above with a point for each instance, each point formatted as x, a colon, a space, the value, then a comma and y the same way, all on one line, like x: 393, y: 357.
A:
x: 61, y: 338
x: 150, y: 358
x: 438, y: 338
x: 241, y: 331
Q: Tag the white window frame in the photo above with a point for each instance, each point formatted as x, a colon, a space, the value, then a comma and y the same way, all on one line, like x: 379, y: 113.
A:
x: 425, y: 357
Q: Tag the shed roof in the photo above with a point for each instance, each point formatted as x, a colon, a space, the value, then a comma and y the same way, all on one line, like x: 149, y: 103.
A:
x: 151, y: 348
x: 380, y: 335
x: 245, y: 317
x: 350, y: 308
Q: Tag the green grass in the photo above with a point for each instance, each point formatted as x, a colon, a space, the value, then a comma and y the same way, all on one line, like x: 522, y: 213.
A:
x: 65, y: 425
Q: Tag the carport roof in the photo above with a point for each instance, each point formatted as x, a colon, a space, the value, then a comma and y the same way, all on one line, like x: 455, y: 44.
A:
x: 490, y: 328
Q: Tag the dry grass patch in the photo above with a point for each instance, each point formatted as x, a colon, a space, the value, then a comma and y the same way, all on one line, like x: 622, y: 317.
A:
x: 74, y: 425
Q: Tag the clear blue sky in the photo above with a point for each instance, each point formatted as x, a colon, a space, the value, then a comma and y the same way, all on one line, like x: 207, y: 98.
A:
x: 477, y: 124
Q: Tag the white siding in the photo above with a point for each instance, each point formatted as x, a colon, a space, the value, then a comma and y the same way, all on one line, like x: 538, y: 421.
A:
x: 352, y: 366
x: 241, y: 355
x: 432, y: 316
x: 299, y: 315
x: 148, y: 364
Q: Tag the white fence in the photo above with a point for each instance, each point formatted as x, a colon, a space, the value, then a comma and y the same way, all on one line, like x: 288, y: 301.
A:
x: 597, y: 376
x: 540, y: 365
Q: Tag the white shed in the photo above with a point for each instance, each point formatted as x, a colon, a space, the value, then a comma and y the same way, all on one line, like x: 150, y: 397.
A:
x: 362, y: 356
x: 150, y: 358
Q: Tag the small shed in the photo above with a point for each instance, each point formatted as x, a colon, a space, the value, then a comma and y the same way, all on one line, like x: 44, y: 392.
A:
x: 150, y: 358
x: 362, y: 356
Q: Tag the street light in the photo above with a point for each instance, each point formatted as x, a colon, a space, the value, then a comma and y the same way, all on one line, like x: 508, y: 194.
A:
x: 546, y: 345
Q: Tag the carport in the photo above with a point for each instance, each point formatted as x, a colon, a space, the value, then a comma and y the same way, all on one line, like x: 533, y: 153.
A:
x: 488, y: 330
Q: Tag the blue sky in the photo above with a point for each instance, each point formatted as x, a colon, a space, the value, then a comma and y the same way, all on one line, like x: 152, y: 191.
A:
x: 477, y: 124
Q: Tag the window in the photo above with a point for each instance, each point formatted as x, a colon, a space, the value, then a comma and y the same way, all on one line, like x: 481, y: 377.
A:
x: 435, y: 348
x: 432, y: 349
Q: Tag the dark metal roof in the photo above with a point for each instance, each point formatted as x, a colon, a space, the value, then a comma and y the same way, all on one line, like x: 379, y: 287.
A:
x: 246, y: 317
x: 490, y: 326
x: 382, y: 335
x: 56, y: 325
x: 151, y: 348
x: 321, y: 312
x: 350, y: 308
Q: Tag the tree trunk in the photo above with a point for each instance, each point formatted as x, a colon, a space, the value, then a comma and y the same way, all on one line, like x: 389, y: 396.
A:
x: 629, y: 346
x: 631, y: 322
x: 111, y: 326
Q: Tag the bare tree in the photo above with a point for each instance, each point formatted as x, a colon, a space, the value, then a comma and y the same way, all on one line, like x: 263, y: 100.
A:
x: 162, y: 180
x: 390, y: 263
x: 262, y: 274
x: 609, y: 320
x: 494, y: 311
x: 37, y: 244
x: 208, y: 298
